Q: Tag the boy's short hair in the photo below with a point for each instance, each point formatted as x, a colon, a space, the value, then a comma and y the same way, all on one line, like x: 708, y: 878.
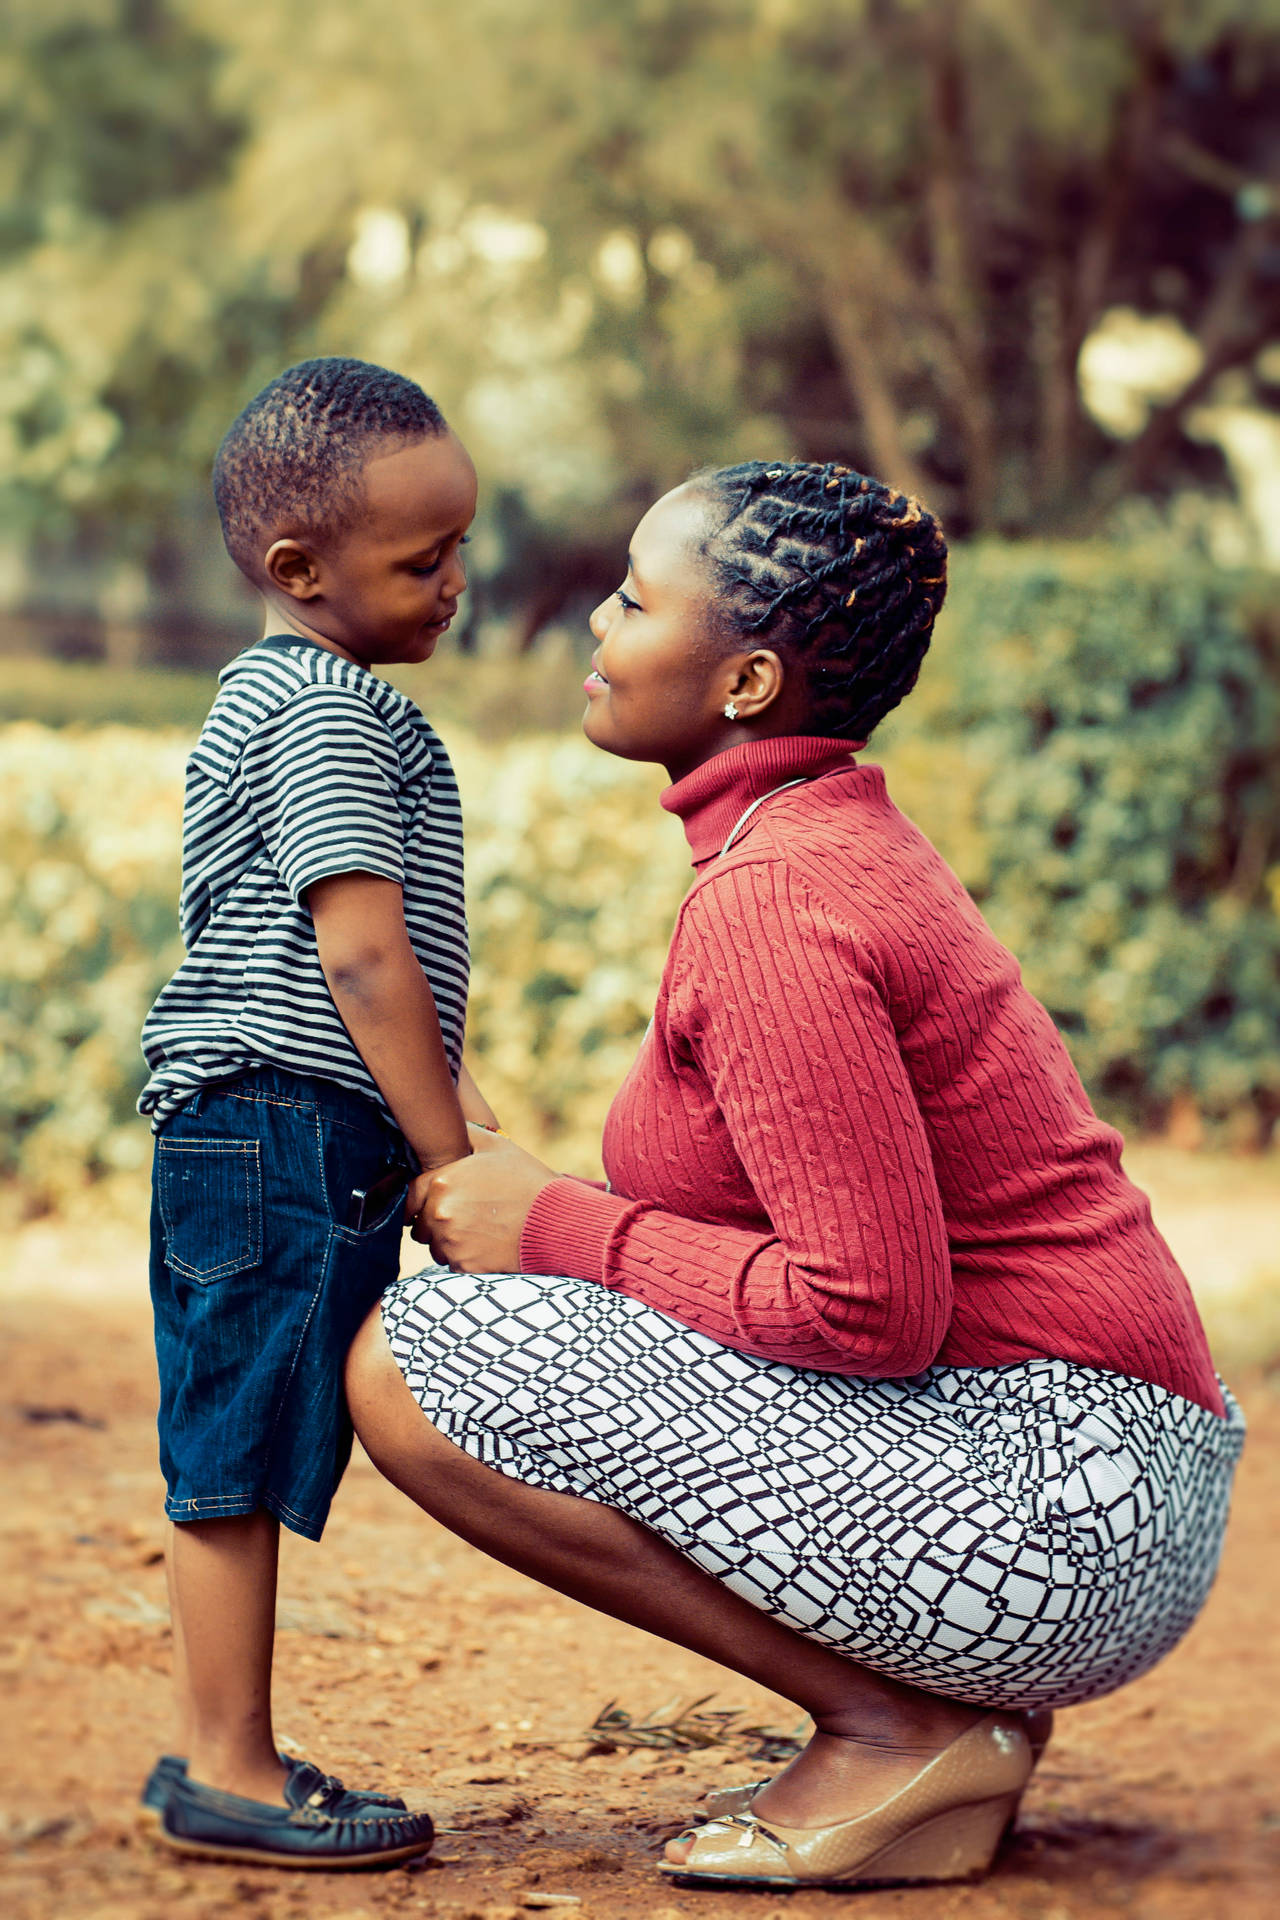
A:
x: 294, y: 457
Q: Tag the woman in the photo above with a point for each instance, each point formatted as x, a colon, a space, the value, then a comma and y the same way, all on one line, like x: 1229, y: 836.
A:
x: 868, y: 1376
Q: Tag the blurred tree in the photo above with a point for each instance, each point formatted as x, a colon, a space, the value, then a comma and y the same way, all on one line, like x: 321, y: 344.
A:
x: 110, y: 109
x: 889, y: 225
x: 622, y: 237
x: 127, y: 312
x: 109, y: 124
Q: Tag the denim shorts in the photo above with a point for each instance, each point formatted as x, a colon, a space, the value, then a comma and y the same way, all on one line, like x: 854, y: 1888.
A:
x: 259, y: 1280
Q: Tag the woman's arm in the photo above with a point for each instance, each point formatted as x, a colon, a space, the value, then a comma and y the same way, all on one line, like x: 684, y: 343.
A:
x: 778, y: 1006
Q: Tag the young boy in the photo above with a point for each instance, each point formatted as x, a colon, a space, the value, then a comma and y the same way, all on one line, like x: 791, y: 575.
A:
x: 303, y: 1059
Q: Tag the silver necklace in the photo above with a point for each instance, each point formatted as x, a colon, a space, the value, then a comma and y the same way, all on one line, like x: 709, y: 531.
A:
x: 802, y: 781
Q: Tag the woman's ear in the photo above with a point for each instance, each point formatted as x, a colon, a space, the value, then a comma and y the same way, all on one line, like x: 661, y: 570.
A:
x: 292, y: 569
x: 757, y: 683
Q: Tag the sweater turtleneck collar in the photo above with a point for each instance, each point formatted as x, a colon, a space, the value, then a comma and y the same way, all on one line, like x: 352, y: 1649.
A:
x: 711, y: 798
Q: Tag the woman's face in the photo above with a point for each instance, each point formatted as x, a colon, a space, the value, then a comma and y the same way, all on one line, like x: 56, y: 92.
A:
x: 659, y: 680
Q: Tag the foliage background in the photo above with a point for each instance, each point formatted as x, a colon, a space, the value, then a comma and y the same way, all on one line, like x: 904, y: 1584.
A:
x: 622, y: 238
x: 1093, y: 746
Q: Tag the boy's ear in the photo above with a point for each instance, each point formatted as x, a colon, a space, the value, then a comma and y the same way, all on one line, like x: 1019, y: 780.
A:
x: 292, y: 569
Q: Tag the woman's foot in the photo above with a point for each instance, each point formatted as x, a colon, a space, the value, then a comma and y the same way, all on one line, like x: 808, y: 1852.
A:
x: 902, y: 1816
x: 725, y: 1801
x: 843, y: 1773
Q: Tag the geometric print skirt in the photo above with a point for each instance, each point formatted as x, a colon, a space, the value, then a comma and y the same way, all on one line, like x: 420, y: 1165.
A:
x: 1015, y: 1536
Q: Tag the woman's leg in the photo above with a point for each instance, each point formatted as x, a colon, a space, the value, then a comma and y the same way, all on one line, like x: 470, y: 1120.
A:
x: 872, y: 1732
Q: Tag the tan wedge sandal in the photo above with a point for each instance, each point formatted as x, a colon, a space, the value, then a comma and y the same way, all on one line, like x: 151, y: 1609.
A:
x: 946, y: 1824
x: 727, y: 1801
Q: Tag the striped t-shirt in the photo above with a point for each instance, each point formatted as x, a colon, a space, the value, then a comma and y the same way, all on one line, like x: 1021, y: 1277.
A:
x: 307, y: 766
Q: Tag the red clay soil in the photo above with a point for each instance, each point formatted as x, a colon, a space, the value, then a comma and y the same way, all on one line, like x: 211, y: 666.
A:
x: 407, y: 1658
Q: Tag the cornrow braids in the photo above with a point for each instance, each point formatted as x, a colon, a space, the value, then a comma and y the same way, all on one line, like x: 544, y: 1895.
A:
x: 834, y: 569
x: 293, y: 459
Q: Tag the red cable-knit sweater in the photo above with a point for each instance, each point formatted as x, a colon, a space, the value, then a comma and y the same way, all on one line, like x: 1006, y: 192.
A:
x: 851, y: 1139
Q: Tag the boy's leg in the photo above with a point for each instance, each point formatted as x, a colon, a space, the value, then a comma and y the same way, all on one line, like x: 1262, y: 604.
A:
x: 258, y: 1285
x: 223, y: 1590
x: 181, y: 1687
x: 237, y: 1800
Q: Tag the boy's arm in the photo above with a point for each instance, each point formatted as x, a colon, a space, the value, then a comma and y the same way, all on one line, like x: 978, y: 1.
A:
x: 473, y: 1103
x: 386, y: 1006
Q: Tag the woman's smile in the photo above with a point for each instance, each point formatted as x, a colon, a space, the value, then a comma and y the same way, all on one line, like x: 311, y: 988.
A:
x: 662, y: 693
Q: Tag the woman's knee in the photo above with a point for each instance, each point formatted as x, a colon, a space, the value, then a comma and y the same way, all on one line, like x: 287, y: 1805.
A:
x: 366, y: 1369
x: 384, y: 1413
x: 393, y: 1430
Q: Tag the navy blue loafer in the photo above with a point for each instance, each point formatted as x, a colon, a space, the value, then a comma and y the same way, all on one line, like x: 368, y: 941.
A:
x: 155, y: 1792
x: 313, y: 1828
x: 170, y: 1767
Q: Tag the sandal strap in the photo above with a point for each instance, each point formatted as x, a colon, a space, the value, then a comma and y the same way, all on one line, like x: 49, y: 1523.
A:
x: 745, y: 1824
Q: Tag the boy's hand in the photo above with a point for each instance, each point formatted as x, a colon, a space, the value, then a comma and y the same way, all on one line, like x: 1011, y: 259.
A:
x: 473, y: 1212
x: 416, y: 1198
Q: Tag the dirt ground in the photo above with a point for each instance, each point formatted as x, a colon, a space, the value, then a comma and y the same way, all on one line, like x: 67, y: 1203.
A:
x: 405, y: 1657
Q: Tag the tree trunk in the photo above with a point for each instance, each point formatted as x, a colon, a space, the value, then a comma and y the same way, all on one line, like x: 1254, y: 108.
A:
x: 1232, y: 329
x: 1076, y: 289
x: 837, y: 256
x: 956, y: 281
x: 1053, y: 355
x: 852, y: 336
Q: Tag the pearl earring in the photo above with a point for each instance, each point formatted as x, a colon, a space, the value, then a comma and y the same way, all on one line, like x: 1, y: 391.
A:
x: 730, y: 711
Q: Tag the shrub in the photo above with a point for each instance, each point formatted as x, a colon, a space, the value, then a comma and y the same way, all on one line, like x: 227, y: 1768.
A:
x: 90, y: 826
x: 1095, y: 745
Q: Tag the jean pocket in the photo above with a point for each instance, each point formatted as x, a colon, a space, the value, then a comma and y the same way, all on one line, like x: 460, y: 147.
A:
x: 364, y: 1176
x: 370, y: 1208
x: 210, y: 1194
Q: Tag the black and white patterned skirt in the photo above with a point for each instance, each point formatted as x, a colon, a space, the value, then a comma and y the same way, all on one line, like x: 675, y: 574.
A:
x: 1012, y: 1536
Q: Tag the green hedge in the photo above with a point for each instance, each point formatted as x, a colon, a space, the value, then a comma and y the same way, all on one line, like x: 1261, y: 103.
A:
x: 1095, y: 744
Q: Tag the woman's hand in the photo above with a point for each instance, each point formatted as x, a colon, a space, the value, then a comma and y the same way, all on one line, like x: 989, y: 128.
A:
x: 475, y: 1209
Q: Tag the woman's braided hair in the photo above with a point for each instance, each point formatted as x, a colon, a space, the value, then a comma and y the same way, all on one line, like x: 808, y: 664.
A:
x: 837, y: 571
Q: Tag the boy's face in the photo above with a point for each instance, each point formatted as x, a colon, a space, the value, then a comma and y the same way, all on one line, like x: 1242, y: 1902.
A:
x: 387, y: 589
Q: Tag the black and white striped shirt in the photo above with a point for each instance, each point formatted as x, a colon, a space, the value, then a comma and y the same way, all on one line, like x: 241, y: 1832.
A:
x: 307, y: 766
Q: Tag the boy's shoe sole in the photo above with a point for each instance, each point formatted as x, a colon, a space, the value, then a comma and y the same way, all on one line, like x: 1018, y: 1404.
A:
x: 306, y: 1830
x: 257, y: 1856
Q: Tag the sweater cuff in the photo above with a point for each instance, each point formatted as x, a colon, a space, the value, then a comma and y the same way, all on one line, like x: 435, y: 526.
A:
x: 568, y: 1228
